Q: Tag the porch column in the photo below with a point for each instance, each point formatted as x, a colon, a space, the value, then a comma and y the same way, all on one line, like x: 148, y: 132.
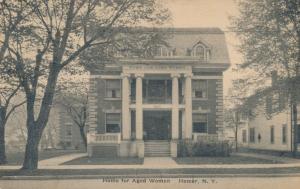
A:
x: 175, y: 106
x: 139, y: 108
x: 126, y: 126
x: 188, y: 106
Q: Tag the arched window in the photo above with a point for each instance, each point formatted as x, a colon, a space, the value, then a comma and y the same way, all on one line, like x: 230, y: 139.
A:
x: 199, y: 51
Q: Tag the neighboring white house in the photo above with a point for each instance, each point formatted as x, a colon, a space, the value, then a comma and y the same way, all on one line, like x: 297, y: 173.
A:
x: 270, y: 124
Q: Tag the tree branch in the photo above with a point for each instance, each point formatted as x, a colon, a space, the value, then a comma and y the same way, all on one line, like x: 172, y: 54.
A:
x: 13, y: 109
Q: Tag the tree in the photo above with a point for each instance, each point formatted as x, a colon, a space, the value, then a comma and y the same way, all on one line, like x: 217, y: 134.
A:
x: 56, y: 34
x: 73, y: 98
x: 269, y: 31
x: 11, y: 16
x: 7, y: 93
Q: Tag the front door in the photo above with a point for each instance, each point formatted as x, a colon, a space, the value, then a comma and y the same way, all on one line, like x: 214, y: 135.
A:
x: 157, y: 125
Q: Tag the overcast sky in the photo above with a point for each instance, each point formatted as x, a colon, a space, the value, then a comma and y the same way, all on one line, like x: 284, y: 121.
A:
x: 208, y: 13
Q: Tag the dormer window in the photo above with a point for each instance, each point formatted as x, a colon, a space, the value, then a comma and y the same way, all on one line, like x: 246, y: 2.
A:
x: 163, y: 51
x: 201, y: 52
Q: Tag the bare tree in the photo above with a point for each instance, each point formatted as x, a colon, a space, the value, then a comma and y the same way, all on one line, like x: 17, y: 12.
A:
x: 56, y: 34
x: 72, y: 97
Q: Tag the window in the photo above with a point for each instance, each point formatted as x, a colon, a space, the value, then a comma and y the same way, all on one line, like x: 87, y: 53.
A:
x: 275, y: 101
x: 272, y: 131
x: 252, y: 135
x: 243, y: 116
x: 113, y: 122
x: 284, y: 134
x: 199, y: 88
x: 68, y: 129
x: 163, y: 51
x: 200, y: 123
x: 244, y: 136
x: 68, y: 144
x: 113, y: 88
x: 199, y: 51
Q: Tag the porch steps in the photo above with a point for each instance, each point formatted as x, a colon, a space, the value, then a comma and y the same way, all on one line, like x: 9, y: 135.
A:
x: 157, y: 148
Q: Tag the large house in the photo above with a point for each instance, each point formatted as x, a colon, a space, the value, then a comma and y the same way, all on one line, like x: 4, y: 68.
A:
x: 143, y: 106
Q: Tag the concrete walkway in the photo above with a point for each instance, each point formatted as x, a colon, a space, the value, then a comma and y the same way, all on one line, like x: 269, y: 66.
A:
x: 162, y: 162
x: 55, y: 161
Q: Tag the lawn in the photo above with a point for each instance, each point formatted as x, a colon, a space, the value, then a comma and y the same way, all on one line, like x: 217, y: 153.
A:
x: 17, y: 158
x: 105, y: 161
x: 223, y: 160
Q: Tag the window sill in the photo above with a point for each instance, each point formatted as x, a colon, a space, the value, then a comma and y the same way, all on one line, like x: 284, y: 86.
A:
x: 107, y: 98
x: 194, y: 98
x: 204, y: 134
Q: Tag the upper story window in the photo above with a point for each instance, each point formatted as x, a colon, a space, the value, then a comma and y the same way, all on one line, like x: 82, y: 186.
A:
x: 68, y: 129
x: 163, y: 51
x: 275, y: 102
x: 201, y: 52
x: 199, y: 88
x: 112, y: 88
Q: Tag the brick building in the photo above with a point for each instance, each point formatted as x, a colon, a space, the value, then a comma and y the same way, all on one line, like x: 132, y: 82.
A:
x: 144, y: 106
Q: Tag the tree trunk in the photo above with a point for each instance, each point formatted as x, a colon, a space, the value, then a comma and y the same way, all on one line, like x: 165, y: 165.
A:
x: 31, y: 151
x: 2, y: 135
x: 82, y: 134
x: 36, y: 127
x: 2, y: 142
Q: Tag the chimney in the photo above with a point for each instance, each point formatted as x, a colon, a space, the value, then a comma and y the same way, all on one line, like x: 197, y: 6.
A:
x: 274, y: 77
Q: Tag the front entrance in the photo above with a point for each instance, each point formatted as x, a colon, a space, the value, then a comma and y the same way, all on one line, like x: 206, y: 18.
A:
x: 157, y: 125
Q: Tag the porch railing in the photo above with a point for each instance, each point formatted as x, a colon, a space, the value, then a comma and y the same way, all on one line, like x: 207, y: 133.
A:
x: 205, y: 137
x: 104, y: 138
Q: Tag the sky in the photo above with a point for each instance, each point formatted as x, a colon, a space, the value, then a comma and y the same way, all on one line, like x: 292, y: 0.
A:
x: 208, y: 13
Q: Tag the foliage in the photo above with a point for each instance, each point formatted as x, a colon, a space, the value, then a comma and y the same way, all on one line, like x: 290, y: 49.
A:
x: 203, y: 148
x: 269, y: 32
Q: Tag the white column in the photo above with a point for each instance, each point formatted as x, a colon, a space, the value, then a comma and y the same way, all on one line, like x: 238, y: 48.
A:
x: 175, y: 106
x: 139, y: 108
x: 188, y: 106
x: 126, y: 127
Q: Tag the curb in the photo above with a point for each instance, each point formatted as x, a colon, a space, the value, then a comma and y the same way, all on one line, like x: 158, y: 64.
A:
x: 70, y: 177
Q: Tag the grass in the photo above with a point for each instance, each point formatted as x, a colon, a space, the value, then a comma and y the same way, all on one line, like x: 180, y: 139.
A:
x: 224, y: 160
x: 105, y: 161
x: 17, y: 158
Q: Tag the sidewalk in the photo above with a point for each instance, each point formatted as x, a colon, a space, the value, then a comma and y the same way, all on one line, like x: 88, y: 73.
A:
x: 163, y: 163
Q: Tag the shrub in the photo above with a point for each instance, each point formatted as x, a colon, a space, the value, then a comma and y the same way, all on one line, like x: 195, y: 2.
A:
x: 188, y: 148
